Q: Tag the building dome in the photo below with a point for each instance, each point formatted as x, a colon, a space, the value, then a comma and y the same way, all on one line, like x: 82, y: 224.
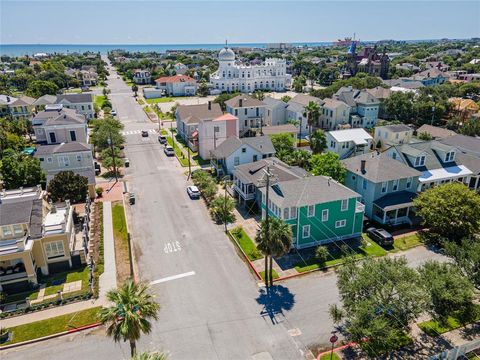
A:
x: 226, y: 54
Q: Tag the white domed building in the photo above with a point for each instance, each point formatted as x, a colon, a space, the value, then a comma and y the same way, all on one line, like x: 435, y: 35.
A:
x: 234, y: 76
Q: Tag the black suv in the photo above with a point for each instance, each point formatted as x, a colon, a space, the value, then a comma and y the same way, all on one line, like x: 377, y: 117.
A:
x: 381, y: 236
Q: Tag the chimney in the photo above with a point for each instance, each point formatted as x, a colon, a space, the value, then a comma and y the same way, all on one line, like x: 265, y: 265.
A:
x: 209, y: 105
x: 362, y: 166
x: 240, y: 102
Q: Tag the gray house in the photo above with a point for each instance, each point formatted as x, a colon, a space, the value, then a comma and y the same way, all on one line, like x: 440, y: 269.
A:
x: 276, y: 111
x: 249, y: 178
x: 387, y: 187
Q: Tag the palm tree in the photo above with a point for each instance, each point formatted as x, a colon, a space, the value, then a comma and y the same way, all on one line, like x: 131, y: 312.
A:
x: 312, y: 113
x: 276, y: 243
x: 150, y: 356
x: 129, y: 317
x: 318, y: 141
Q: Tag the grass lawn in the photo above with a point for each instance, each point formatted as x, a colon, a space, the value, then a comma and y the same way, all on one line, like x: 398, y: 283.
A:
x: 336, y: 256
x: 120, y: 234
x: 435, y: 327
x: 99, y: 99
x: 161, y: 100
x: 54, y: 283
x: 73, y: 91
x: 163, y: 132
x: 53, y: 325
x: 407, y: 242
x: 141, y: 101
x: 327, y: 357
x: 21, y: 297
x: 178, y: 153
x: 247, y: 244
x: 274, y: 273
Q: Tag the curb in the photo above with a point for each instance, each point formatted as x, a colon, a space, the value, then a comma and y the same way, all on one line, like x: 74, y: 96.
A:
x: 336, y: 349
x: 52, y: 336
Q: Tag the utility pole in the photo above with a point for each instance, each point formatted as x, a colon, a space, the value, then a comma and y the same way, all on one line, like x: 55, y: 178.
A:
x: 189, y: 164
x: 433, y: 114
x: 300, y: 132
x: 110, y: 142
x: 226, y: 179
x: 173, y: 141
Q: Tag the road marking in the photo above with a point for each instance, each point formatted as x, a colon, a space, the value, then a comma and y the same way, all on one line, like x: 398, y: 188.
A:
x: 174, y: 277
x: 294, y: 332
x: 173, y: 246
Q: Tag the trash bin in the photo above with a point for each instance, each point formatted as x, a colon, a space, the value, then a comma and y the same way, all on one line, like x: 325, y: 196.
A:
x: 127, y: 163
x: 131, y: 198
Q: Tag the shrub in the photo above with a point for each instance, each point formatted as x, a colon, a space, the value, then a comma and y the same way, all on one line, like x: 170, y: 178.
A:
x: 99, y: 191
x: 321, y: 254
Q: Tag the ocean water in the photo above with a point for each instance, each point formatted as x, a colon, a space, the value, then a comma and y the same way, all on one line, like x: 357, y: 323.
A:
x: 30, y: 49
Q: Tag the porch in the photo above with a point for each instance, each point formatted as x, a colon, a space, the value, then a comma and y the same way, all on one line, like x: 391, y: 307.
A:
x: 395, y: 209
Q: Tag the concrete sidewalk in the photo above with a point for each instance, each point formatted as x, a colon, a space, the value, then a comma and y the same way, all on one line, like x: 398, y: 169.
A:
x: 108, y: 280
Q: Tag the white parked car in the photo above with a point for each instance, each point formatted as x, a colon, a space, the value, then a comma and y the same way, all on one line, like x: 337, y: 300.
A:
x: 169, y: 151
x: 193, y: 192
x: 113, y: 113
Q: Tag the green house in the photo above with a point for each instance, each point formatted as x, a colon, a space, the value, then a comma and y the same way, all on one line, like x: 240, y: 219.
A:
x: 319, y: 209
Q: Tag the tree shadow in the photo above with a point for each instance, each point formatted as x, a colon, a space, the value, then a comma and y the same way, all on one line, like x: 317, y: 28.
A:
x: 275, y: 300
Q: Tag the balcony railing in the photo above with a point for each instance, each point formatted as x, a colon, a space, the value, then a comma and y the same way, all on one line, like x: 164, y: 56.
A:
x: 13, y: 276
x: 359, y: 207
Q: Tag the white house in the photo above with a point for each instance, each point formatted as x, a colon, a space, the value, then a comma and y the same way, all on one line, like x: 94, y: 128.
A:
x: 57, y: 125
x: 142, y: 77
x: 249, y: 111
x: 276, y: 111
x: 234, y: 76
x: 349, y: 142
x: 296, y: 110
x: 234, y: 151
x: 390, y: 135
x: 333, y: 114
x: 178, y: 85
x: 81, y: 103
x: 213, y: 132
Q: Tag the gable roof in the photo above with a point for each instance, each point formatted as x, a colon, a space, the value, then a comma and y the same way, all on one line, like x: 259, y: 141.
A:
x: 396, y: 128
x: 262, y: 144
x: 304, y: 99
x: 310, y: 190
x: 75, y: 98
x: 247, y: 101
x: 23, y: 101
x: 62, y: 148
x: 379, y: 167
x: 435, y: 131
x: 45, y: 100
x: 193, y: 114
x: 271, y: 102
x: 467, y: 144
x: 61, y: 117
x: 252, y: 173
x: 333, y: 103
x: 352, y: 96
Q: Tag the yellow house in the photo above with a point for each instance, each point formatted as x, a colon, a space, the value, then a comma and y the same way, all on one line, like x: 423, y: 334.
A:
x: 35, y: 238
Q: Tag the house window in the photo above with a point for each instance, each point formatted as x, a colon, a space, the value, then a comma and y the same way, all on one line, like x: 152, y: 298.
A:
x: 236, y: 161
x: 49, y: 160
x: 53, y: 137
x: 244, y: 150
x: 394, y: 156
x: 255, y: 158
x: 450, y: 156
x: 305, y: 231
x: 384, y: 187
x: 325, y: 215
x: 18, y: 229
x: 311, y: 210
x: 409, y: 183
x: 332, y: 144
x: 79, y: 157
x: 54, y: 249
x: 246, y: 123
x: 245, y: 111
x: 7, y: 231
x: 420, y: 161
x: 340, y: 223
x: 286, y: 213
x: 293, y: 212
x: 344, y: 204
x: 236, y: 112
x: 395, y: 185
x: 63, y: 161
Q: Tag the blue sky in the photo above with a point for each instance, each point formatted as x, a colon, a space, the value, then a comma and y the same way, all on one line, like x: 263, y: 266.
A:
x: 196, y: 22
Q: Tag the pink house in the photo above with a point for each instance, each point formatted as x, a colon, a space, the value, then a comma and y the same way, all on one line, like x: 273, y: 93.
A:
x: 211, y: 133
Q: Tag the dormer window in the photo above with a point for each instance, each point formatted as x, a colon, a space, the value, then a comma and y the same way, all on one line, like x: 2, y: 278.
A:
x: 450, y: 156
x: 420, y: 161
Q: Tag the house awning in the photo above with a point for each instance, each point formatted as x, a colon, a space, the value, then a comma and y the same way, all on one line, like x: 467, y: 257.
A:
x: 397, y: 200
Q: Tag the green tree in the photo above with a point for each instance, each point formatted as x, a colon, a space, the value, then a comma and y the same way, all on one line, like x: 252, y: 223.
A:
x: 221, y: 209
x: 150, y: 356
x: 286, y: 98
x: 328, y: 164
x: 128, y: 317
x: 300, y: 158
x: 203, y: 88
x: 18, y: 169
x: 425, y: 136
x: 380, y: 298
x: 273, y: 239
x: 450, y: 210
x: 66, y: 185
x: 321, y: 254
x: 399, y: 106
x: 39, y: 88
x: 105, y: 129
x: 298, y: 83
x: 312, y: 113
x: 450, y: 292
x: 282, y: 142
x: 467, y: 257
x: 318, y: 141
x: 220, y: 99
x: 111, y: 159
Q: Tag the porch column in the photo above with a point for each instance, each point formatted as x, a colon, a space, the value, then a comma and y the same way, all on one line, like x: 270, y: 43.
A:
x: 384, y: 216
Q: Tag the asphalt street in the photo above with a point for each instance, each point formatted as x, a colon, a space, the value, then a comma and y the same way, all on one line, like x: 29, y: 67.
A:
x: 211, y: 306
